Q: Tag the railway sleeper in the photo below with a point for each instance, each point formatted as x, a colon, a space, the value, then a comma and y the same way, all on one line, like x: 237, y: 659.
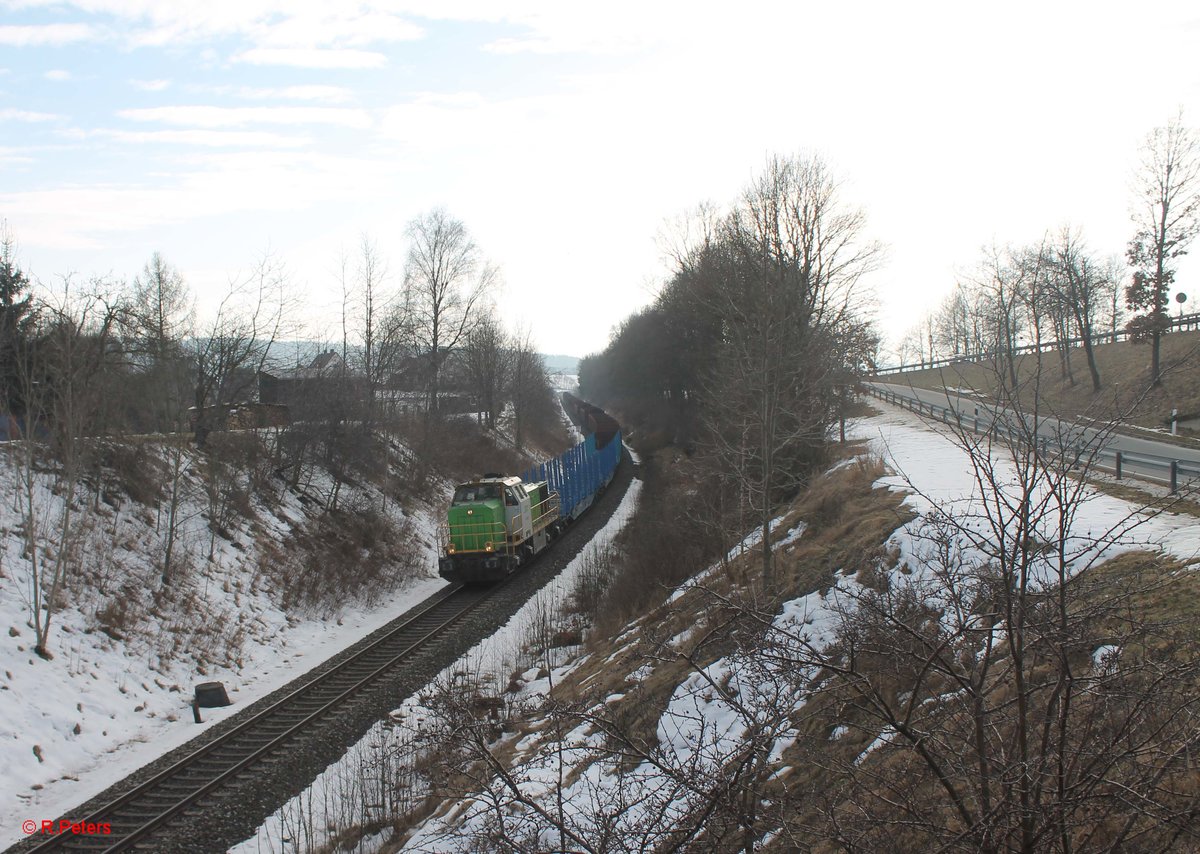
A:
x: 252, y: 743
x: 259, y: 736
x: 171, y: 789
x: 156, y: 798
x: 91, y: 843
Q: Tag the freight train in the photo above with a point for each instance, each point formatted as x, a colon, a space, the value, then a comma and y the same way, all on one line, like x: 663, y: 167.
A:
x: 496, y: 524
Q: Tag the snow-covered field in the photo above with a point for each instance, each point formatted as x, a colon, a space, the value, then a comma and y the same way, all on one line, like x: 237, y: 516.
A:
x: 105, y: 706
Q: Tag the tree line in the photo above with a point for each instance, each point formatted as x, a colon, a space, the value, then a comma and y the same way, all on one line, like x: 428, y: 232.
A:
x: 1058, y: 291
x: 748, y: 354
x: 150, y: 364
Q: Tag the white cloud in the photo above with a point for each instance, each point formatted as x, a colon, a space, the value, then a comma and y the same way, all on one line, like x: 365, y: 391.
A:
x: 150, y: 85
x: 85, y: 217
x: 218, y: 117
x: 13, y: 156
x: 207, y: 138
x: 11, y: 115
x: 326, y: 94
x: 57, y: 74
x: 339, y: 25
x: 264, y: 23
x: 313, y: 58
x: 38, y: 35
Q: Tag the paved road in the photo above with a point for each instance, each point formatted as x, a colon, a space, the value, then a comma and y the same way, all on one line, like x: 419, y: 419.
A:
x: 1143, y: 458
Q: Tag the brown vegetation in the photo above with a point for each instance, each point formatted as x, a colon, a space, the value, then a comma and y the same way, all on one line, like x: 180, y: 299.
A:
x: 353, y: 554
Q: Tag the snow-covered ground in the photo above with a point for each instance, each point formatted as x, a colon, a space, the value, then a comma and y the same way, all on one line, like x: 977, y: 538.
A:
x: 493, y: 659
x: 701, y: 726
x: 103, y: 707
x: 941, y: 472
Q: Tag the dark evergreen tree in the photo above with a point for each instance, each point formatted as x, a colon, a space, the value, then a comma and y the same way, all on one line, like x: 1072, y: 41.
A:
x: 16, y: 318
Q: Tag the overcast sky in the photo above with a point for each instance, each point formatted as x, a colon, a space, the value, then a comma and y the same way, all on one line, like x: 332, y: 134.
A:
x: 563, y: 134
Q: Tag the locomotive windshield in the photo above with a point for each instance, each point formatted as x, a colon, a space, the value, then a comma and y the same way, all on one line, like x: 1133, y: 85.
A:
x: 473, y: 492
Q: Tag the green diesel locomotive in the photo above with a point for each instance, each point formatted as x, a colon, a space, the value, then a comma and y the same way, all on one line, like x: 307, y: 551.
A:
x: 496, y: 524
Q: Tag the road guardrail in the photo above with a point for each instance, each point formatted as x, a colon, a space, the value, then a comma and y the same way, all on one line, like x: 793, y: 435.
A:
x: 1167, y: 470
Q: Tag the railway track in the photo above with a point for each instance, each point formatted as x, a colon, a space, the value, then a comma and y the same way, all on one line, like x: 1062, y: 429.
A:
x: 180, y: 790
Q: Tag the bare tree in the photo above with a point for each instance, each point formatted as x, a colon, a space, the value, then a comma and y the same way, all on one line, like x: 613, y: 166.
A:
x: 1166, y: 214
x: 234, y: 347
x: 161, y: 309
x: 1005, y: 280
x: 793, y: 257
x: 529, y: 387
x: 445, y: 278
x: 1022, y: 702
x: 952, y: 323
x: 159, y: 320
x: 1082, y: 285
x: 72, y: 346
x: 379, y: 325
x: 489, y: 364
x: 1113, y: 271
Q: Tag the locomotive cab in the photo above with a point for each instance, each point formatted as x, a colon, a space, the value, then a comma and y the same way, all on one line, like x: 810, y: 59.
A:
x: 493, y: 526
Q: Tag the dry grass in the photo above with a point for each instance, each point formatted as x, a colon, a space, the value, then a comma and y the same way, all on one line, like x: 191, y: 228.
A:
x: 644, y: 647
x: 352, y: 554
x: 1185, y: 503
x: 458, y: 448
x: 848, y: 522
x: 1124, y: 370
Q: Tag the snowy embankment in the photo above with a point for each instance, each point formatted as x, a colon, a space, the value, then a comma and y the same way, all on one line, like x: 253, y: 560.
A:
x: 116, y: 694
x: 306, y: 820
x: 578, y: 788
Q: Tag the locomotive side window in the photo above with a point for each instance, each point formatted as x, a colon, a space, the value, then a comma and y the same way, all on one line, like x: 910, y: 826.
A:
x: 510, y: 497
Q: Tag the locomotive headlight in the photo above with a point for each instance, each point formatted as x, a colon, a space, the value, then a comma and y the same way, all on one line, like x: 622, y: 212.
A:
x: 470, y: 512
x: 487, y: 547
x: 450, y: 549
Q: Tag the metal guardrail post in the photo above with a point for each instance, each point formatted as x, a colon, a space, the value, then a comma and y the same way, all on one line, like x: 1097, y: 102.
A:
x: 1120, y: 459
x: 1174, y: 476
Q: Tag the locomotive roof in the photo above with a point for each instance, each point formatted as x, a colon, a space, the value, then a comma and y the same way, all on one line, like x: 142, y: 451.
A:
x: 511, y: 480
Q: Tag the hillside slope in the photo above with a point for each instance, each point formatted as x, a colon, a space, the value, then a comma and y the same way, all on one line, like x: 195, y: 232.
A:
x: 271, y: 572
x: 1124, y: 371
x: 725, y: 720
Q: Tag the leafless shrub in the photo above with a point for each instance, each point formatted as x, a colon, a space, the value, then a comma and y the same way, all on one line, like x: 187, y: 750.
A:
x: 133, y: 468
x: 458, y: 448
x: 593, y: 579
x: 340, y: 556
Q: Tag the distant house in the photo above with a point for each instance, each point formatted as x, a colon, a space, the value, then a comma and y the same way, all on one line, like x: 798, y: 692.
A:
x: 286, y: 387
x: 324, y: 364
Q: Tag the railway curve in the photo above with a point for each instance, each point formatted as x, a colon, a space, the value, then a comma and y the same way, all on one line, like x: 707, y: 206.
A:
x: 216, y: 790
